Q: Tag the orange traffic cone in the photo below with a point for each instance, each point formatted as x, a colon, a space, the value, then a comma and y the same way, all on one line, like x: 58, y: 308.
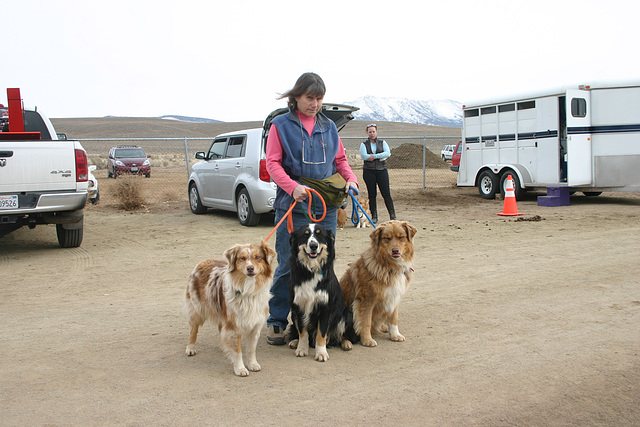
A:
x: 510, y: 208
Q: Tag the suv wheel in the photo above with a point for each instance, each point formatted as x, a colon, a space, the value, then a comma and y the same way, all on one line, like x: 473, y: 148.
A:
x: 194, y: 200
x: 246, y: 214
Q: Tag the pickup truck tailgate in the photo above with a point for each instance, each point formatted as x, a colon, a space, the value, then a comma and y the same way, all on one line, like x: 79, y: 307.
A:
x: 37, y: 166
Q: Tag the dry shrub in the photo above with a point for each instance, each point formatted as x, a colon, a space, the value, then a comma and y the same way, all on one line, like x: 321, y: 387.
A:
x: 171, y: 195
x: 128, y: 193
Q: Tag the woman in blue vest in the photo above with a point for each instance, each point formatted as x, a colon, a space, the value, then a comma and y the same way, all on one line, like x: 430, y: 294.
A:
x: 302, y: 143
x: 375, y: 153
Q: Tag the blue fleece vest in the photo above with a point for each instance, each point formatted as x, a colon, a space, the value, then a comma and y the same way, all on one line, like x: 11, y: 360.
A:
x: 311, y: 156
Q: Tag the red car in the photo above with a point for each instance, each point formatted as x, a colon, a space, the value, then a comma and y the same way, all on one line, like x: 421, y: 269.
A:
x: 455, y: 158
x: 129, y: 159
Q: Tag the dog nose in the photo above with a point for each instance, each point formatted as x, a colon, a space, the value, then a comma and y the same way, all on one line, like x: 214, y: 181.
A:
x: 250, y: 269
x: 395, y: 251
x: 313, y: 246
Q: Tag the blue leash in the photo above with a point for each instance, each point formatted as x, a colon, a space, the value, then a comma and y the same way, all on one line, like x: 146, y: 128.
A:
x: 356, y: 205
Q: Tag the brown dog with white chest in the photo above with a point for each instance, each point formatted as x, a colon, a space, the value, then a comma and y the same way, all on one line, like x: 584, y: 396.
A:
x: 234, y: 293
x: 374, y: 285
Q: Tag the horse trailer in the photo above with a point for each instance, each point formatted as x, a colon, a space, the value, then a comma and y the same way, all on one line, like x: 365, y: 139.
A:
x: 584, y: 137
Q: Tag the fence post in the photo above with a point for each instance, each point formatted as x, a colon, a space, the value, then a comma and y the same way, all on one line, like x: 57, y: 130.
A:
x: 186, y: 157
x: 424, y: 162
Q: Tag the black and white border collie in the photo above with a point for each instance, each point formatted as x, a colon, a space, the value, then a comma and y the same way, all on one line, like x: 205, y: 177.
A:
x: 315, y: 297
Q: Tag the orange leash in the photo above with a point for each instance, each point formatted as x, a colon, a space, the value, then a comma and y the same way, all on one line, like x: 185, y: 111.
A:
x: 290, y: 216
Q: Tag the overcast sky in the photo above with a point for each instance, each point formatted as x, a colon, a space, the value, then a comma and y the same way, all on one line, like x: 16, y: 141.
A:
x: 229, y: 59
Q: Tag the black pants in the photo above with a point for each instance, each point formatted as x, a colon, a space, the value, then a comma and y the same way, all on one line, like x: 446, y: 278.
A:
x: 379, y: 177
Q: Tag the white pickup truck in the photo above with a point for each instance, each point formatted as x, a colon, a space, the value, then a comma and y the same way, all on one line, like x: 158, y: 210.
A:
x: 43, y: 180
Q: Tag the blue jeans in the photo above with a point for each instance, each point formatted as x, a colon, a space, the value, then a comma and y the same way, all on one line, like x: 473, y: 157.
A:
x: 279, y: 303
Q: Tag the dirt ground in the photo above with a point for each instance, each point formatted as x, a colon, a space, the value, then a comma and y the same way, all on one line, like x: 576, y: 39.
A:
x: 531, y: 321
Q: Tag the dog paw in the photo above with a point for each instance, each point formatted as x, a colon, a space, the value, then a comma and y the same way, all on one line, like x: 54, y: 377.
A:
x: 383, y: 327
x: 397, y: 337
x: 346, y: 345
x: 322, y: 356
x: 254, y: 366
x: 293, y: 343
x: 241, y: 372
x: 369, y: 342
x: 300, y: 352
x: 190, y: 351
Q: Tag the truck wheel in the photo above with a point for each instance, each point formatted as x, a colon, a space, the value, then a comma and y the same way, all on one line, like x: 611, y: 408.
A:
x: 517, y: 190
x: 194, y: 200
x: 246, y: 215
x: 488, y: 185
x: 69, y: 238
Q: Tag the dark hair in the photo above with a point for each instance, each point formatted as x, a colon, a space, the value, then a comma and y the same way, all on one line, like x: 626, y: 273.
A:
x: 308, y: 83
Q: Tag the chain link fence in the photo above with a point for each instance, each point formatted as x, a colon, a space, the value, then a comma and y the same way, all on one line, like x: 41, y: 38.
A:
x: 415, y: 163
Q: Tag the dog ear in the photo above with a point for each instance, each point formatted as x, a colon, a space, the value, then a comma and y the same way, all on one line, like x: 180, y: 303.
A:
x: 375, y: 234
x: 231, y: 254
x: 269, y: 254
x: 410, y: 229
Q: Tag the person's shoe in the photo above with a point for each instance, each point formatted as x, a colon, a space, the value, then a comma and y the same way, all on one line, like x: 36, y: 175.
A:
x: 275, y: 335
x: 374, y: 217
x: 392, y: 216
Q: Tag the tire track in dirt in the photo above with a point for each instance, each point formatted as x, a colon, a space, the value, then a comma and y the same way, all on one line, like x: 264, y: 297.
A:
x: 4, y: 258
x: 82, y: 259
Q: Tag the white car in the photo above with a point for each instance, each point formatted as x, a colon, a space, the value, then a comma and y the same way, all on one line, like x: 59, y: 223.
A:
x: 447, y: 152
x: 94, y: 192
x: 232, y: 174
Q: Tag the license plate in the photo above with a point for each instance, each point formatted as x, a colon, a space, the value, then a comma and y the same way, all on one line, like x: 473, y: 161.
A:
x: 9, y: 202
x: 134, y: 169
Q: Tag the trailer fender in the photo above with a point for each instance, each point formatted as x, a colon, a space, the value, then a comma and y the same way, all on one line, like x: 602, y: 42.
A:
x: 521, y: 171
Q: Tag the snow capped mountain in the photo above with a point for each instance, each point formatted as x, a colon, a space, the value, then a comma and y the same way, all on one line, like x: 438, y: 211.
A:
x: 443, y: 112
x: 189, y: 119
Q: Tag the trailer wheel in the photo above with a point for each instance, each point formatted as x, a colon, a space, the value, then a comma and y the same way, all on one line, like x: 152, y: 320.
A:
x: 487, y: 184
x: 517, y: 190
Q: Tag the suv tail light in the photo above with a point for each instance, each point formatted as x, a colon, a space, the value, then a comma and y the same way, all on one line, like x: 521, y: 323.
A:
x: 264, y: 175
x: 82, y: 166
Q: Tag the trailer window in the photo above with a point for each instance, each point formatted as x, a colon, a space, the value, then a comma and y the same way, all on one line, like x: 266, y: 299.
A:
x: 578, y: 107
x: 471, y: 113
x: 527, y: 105
x: 488, y: 110
x: 506, y: 107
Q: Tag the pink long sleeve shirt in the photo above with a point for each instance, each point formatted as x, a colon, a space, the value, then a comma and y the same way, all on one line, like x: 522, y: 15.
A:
x: 274, y: 158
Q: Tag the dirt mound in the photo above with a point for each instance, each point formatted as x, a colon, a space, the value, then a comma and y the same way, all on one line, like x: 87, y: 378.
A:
x: 409, y: 156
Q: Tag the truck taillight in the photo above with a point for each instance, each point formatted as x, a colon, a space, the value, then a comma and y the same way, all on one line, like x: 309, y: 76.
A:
x: 264, y: 175
x: 82, y: 166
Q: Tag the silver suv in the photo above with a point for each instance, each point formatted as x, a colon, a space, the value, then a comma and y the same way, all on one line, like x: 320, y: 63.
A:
x: 232, y: 174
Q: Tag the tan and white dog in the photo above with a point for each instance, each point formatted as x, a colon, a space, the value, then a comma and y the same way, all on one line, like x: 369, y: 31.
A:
x: 363, y: 222
x: 233, y: 293
x: 374, y: 285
